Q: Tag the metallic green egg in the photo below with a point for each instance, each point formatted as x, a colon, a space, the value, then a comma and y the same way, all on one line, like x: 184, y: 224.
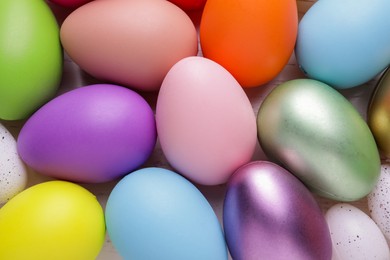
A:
x: 378, y: 115
x: 317, y: 134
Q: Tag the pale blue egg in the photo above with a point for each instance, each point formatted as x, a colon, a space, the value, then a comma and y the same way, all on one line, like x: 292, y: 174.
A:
x: 154, y: 213
x: 344, y: 43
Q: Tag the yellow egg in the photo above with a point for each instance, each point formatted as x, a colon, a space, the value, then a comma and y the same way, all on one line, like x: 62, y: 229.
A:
x: 52, y: 220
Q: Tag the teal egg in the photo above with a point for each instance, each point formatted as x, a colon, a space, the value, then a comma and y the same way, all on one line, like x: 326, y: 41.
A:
x: 318, y: 135
x: 344, y: 43
x: 30, y: 57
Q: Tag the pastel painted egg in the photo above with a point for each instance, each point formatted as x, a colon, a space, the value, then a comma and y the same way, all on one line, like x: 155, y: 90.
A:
x: 205, y: 122
x: 318, y: 135
x: 355, y: 235
x: 379, y: 202
x: 348, y: 49
x: 269, y: 214
x: 52, y: 220
x: 154, y: 213
x: 252, y: 39
x: 91, y: 134
x: 136, y: 44
x: 378, y: 115
x: 70, y: 3
x: 13, y: 173
x: 31, y: 57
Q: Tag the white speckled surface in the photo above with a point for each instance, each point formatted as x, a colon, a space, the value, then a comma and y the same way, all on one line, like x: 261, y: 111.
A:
x: 379, y: 202
x: 354, y: 234
x: 13, y: 172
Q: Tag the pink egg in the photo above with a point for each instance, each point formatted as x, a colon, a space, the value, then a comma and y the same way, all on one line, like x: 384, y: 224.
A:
x: 131, y: 43
x: 269, y: 214
x: 206, y: 124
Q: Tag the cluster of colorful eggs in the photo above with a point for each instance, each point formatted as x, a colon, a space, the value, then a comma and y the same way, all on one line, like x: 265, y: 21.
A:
x: 316, y: 139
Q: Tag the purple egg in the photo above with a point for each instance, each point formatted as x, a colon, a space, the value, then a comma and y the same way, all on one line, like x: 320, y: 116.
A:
x: 270, y: 214
x: 92, y: 134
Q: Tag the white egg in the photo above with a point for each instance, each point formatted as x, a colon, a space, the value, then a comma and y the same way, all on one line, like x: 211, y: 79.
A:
x: 13, y: 172
x: 379, y: 201
x: 355, y: 235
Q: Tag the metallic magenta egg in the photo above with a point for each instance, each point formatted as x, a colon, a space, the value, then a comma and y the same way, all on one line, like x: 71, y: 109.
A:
x: 270, y: 214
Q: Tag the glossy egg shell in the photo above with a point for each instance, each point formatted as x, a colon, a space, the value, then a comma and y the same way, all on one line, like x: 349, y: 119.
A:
x: 270, y: 214
x: 252, y: 39
x: 92, y: 134
x: 154, y: 213
x: 136, y: 44
x: 378, y: 115
x: 318, y: 135
x: 205, y: 122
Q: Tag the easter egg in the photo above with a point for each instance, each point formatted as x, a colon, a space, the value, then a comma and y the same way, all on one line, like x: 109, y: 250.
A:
x: 154, y: 213
x: 379, y: 202
x: 205, y: 122
x: 342, y: 43
x: 354, y: 235
x: 13, y: 173
x: 31, y: 57
x: 92, y: 134
x: 52, y: 220
x: 136, y: 44
x: 70, y: 3
x: 378, y: 115
x: 269, y: 214
x: 252, y: 39
x: 318, y: 135
x: 189, y: 5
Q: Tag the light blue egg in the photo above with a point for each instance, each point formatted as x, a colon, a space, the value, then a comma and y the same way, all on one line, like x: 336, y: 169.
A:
x: 154, y: 213
x: 344, y: 43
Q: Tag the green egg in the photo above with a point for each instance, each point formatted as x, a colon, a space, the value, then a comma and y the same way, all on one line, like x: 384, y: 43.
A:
x: 30, y: 57
x: 317, y: 134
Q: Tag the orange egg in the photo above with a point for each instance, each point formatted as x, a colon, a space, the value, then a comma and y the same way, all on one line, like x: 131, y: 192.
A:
x: 252, y: 39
